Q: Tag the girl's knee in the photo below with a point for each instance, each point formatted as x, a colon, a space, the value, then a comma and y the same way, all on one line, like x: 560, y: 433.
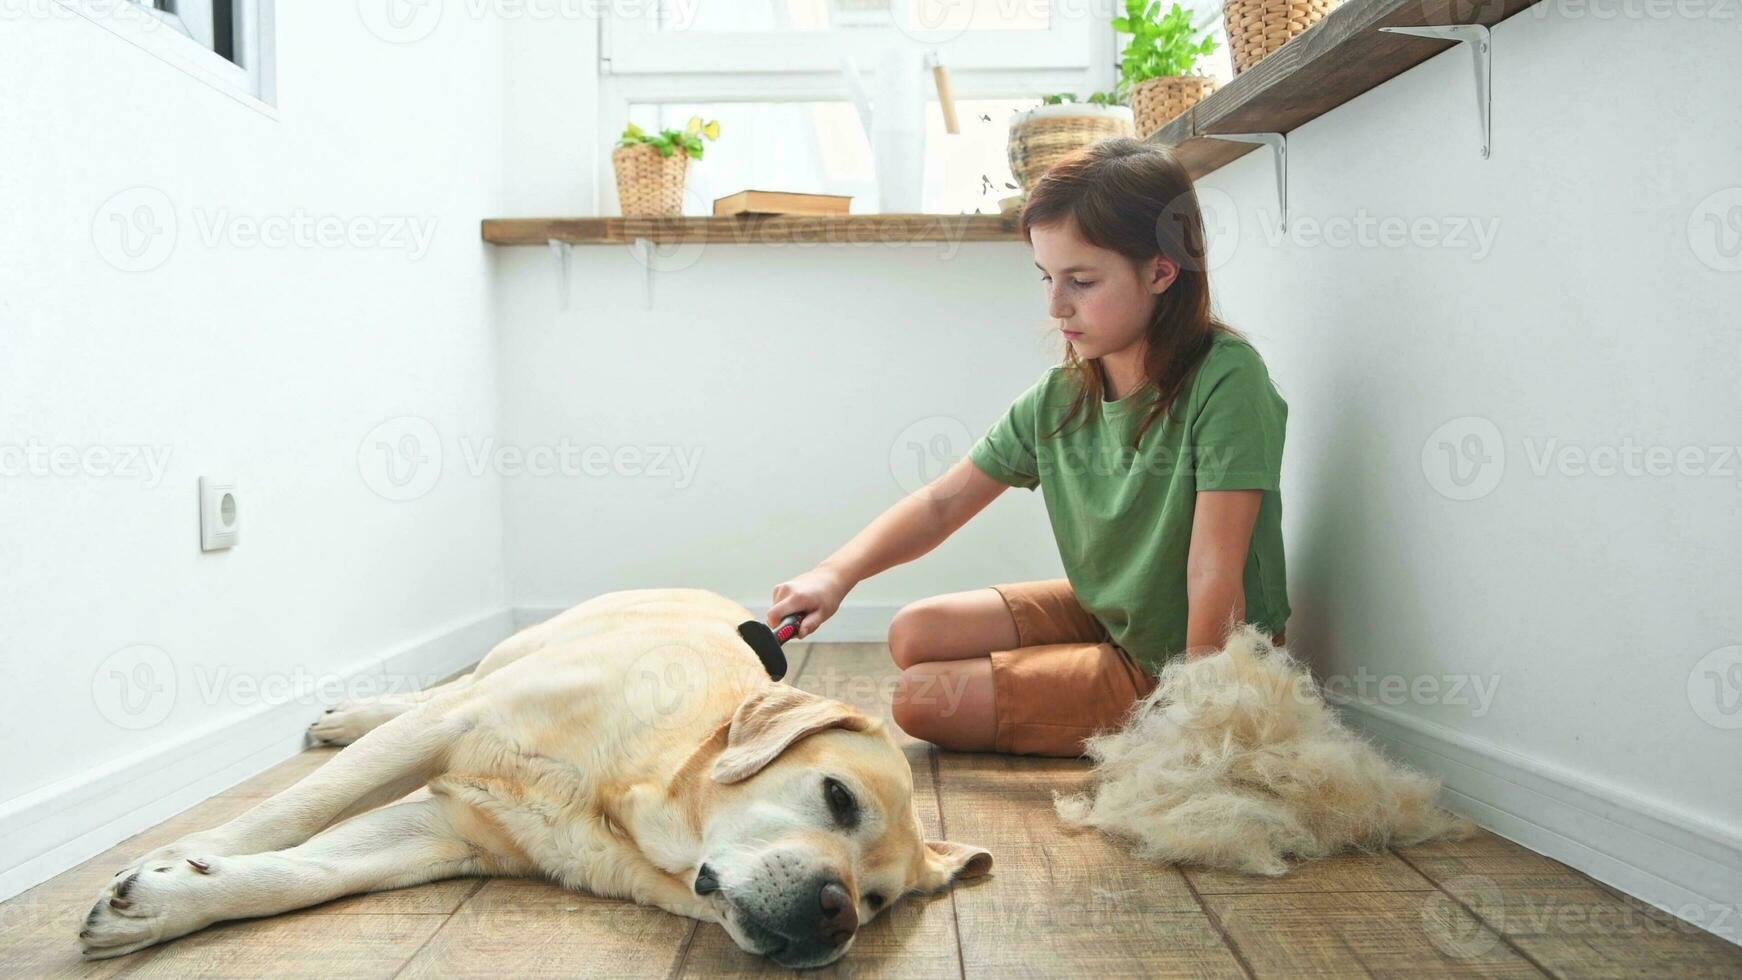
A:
x: 907, y: 632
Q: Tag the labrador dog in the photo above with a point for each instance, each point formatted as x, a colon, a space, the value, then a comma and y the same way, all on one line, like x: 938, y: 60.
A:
x: 631, y: 747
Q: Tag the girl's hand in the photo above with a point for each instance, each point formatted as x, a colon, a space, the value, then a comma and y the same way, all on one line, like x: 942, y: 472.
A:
x: 817, y: 593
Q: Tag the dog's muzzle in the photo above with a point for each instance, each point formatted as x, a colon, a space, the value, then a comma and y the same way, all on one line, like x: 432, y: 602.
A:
x: 805, y: 926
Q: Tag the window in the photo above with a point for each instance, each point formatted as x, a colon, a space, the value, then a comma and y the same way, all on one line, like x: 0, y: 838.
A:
x: 227, y: 44
x: 773, y: 73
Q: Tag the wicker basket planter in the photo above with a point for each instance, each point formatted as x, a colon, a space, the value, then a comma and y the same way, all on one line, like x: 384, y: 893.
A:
x: 649, y: 185
x: 1044, y: 135
x: 1157, y: 101
x: 1258, y: 27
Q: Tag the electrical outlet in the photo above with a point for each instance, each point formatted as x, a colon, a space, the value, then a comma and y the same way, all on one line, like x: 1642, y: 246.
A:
x: 218, y: 514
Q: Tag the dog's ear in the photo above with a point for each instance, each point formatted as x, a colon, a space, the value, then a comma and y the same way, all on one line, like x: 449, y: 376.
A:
x: 773, y: 718
x: 945, y: 861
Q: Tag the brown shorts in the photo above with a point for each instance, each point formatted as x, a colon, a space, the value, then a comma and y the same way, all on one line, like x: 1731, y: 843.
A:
x: 1065, y: 680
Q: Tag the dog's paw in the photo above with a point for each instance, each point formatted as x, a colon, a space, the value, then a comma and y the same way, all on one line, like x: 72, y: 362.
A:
x: 349, y: 721
x: 149, y: 903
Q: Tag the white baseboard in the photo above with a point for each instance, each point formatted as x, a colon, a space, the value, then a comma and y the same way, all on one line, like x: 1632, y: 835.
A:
x: 1685, y: 865
x: 65, y: 823
x: 854, y: 622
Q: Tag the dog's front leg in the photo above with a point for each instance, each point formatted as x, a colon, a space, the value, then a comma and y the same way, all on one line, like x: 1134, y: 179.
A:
x: 393, y: 847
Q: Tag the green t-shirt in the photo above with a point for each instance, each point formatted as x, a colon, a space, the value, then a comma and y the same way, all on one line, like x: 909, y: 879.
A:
x: 1123, y: 519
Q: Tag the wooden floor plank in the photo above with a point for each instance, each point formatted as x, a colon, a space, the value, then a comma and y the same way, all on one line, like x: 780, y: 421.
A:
x: 1410, y: 935
x: 1589, y: 931
x: 1383, y: 872
x: 615, y: 939
x: 1063, y: 902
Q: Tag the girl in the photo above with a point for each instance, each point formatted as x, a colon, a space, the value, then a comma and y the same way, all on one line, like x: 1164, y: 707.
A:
x: 1157, y: 445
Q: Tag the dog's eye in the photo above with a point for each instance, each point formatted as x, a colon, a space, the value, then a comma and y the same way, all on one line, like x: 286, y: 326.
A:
x: 841, y: 802
x: 874, y: 900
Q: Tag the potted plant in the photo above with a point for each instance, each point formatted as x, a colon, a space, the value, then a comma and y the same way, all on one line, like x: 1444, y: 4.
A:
x: 1157, y: 69
x: 1046, y: 134
x: 651, y: 167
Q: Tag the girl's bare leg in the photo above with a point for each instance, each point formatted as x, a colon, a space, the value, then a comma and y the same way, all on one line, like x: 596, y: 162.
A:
x: 942, y: 644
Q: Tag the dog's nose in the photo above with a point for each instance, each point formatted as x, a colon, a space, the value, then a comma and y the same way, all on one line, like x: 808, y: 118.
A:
x: 706, y: 881
x: 840, y: 917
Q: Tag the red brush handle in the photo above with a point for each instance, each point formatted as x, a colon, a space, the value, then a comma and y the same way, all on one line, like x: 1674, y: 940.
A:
x: 788, y: 627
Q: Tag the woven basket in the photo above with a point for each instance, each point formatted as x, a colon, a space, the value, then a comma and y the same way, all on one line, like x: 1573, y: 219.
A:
x: 1157, y: 101
x: 649, y: 185
x: 1258, y: 27
x: 1044, y: 135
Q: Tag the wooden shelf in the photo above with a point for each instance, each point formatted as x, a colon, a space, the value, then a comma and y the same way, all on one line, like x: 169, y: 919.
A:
x: 1330, y: 63
x: 847, y: 229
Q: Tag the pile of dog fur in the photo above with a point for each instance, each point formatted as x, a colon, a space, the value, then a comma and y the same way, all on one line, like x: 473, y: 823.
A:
x: 1234, y: 761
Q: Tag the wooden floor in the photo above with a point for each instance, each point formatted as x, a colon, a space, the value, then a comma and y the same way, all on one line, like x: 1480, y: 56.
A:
x: 1058, y: 903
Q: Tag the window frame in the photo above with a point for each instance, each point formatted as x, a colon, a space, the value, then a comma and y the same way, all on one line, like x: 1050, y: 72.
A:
x: 251, y: 79
x: 637, y: 66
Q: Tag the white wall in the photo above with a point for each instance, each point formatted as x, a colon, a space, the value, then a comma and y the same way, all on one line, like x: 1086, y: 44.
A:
x: 1598, y: 318
x: 267, y: 364
x: 796, y: 381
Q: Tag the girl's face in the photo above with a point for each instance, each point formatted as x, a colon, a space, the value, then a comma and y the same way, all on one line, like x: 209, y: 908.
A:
x: 1101, y: 299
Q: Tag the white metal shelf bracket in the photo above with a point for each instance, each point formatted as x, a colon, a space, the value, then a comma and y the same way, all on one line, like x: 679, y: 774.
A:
x: 1480, y: 42
x: 561, y: 251
x: 1278, y: 143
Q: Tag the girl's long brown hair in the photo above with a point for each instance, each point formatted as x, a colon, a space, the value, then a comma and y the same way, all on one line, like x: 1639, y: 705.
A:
x: 1136, y: 199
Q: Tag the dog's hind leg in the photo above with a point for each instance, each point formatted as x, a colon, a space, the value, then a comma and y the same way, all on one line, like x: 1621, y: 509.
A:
x: 395, y: 846
x: 350, y: 720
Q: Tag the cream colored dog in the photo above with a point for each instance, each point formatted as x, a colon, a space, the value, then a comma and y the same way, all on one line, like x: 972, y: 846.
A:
x: 631, y: 747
